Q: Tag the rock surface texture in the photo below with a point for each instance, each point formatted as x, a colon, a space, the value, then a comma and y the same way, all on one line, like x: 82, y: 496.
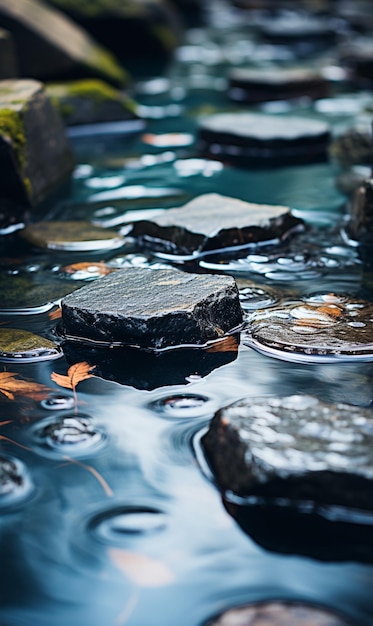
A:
x: 296, y: 447
x: 35, y: 155
x: 211, y: 222
x: 153, y: 308
x: 51, y: 47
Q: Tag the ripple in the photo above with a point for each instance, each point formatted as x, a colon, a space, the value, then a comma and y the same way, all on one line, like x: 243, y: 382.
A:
x: 57, y: 402
x: 183, y: 405
x: 15, y: 482
x: 255, y: 298
x: 114, y: 526
x: 72, y: 435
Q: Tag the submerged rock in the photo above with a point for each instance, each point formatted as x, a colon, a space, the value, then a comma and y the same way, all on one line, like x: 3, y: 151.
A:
x: 8, y: 62
x: 90, y: 102
x: 35, y: 156
x: 71, y: 236
x: 254, y: 140
x: 32, y: 293
x: 23, y: 346
x: 153, y: 309
x: 279, y: 614
x: 296, y: 449
x: 212, y: 222
x: 51, y: 47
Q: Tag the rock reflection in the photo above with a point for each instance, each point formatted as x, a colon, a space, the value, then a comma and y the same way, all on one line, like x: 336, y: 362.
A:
x: 73, y: 435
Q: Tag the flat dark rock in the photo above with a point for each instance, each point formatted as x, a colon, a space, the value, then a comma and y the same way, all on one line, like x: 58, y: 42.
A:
x: 8, y: 62
x: 52, y: 47
x: 23, y: 346
x: 212, y: 222
x: 153, y: 308
x: 35, y: 292
x: 254, y: 85
x: 35, y: 155
x: 75, y: 236
x: 279, y: 614
x: 255, y: 140
x: 295, y: 448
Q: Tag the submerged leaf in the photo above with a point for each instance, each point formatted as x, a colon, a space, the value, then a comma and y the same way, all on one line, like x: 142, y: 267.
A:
x: 142, y: 570
x: 75, y: 375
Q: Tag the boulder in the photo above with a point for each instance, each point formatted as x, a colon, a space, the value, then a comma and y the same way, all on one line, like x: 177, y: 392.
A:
x: 153, y: 309
x: 51, y: 47
x: 8, y: 63
x: 212, y: 222
x: 295, y: 449
x: 35, y: 155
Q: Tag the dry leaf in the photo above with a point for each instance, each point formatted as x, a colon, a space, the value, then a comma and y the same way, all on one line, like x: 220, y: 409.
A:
x: 56, y: 314
x: 99, y: 268
x: 10, y: 386
x: 142, y: 570
x: 75, y: 374
x: 229, y: 344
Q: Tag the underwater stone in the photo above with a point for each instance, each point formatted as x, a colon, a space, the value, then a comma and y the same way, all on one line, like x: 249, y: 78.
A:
x: 21, y: 345
x: 279, y: 614
x: 73, y: 236
x: 153, y: 308
x: 256, y: 140
x: 35, y: 155
x: 297, y: 448
x: 52, y: 47
x: 90, y: 101
x: 211, y: 222
x: 8, y: 63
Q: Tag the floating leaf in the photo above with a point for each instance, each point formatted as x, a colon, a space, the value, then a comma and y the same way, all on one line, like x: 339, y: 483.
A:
x: 10, y: 386
x: 142, y: 570
x: 75, y: 375
x: 96, y: 269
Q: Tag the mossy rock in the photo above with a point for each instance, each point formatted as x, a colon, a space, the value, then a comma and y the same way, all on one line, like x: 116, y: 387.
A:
x: 50, y: 46
x: 35, y: 155
x: 23, y: 346
x: 75, y: 236
x: 33, y: 293
x: 90, y: 101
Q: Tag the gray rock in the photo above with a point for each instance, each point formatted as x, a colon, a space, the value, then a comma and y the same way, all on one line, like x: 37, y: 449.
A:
x: 35, y: 155
x: 8, y: 63
x: 212, y: 222
x: 295, y: 448
x: 51, y: 47
x: 153, y: 308
x: 256, y: 140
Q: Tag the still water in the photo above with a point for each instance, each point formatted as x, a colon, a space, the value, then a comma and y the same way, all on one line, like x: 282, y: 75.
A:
x: 109, y: 514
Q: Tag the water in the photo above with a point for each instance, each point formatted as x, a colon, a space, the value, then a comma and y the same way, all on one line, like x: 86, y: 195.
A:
x: 108, y: 514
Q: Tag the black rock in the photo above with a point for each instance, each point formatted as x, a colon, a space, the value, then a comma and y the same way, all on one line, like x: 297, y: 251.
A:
x: 296, y: 449
x: 212, y: 222
x: 257, y: 141
x: 8, y: 62
x: 153, y: 309
x: 35, y: 155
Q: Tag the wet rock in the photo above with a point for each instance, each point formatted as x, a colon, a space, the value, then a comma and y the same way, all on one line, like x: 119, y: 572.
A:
x: 32, y: 293
x: 353, y: 147
x: 51, y: 47
x: 23, y: 346
x: 129, y: 28
x: 8, y: 63
x: 305, y: 34
x: 254, y: 85
x: 71, y: 236
x: 360, y: 226
x: 35, y: 156
x: 295, y: 449
x: 153, y: 308
x: 279, y: 614
x: 257, y: 141
x: 211, y: 222
x: 90, y: 102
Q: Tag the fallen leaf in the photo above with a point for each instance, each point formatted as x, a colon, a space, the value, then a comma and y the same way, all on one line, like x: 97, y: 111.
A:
x: 330, y: 309
x: 142, y: 570
x: 99, y: 268
x: 56, y: 314
x: 75, y: 375
x: 10, y: 386
x: 228, y: 344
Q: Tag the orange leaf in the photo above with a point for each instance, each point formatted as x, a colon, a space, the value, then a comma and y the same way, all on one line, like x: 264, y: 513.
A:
x: 10, y: 386
x: 228, y: 344
x: 75, y: 374
x: 142, y: 570
x: 99, y: 268
x: 56, y: 314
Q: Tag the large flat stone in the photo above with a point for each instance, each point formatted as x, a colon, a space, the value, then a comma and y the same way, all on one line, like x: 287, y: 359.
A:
x: 212, y: 222
x: 297, y: 448
x: 52, y: 47
x: 35, y: 155
x: 153, y: 308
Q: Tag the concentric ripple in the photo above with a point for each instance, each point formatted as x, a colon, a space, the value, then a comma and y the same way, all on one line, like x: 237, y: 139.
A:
x: 117, y: 525
x: 73, y: 435
x: 15, y: 482
x: 182, y: 405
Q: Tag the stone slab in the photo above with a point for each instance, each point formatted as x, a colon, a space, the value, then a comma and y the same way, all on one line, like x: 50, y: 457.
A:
x: 153, y: 308
x: 35, y: 155
x: 295, y: 448
x: 213, y: 221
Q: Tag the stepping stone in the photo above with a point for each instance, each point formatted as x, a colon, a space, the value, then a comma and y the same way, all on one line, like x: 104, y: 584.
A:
x: 254, y: 85
x: 153, y: 309
x: 278, y: 613
x: 256, y: 140
x: 295, y: 449
x: 76, y: 236
x: 25, y: 347
x: 90, y: 101
x: 212, y: 222
x: 8, y: 63
x: 52, y: 47
x: 35, y: 155
x: 325, y: 328
x: 30, y: 293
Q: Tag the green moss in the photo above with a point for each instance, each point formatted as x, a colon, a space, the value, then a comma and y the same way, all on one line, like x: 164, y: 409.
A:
x: 106, y: 63
x: 93, y: 89
x: 12, y: 127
